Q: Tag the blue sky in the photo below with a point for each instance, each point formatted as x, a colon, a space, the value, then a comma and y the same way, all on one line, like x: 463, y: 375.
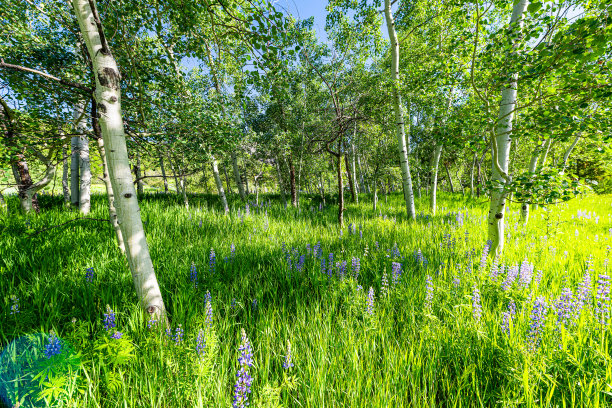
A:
x: 307, y: 8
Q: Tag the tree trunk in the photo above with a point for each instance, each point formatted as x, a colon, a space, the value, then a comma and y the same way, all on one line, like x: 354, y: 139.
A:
x: 108, y: 98
x: 237, y: 176
x: 65, y: 186
x: 75, y: 147
x: 364, y: 185
x: 340, y: 191
x: 355, y: 187
x: 227, y: 180
x: 219, y: 186
x: 322, y: 188
x: 350, y: 178
x: 3, y: 206
x: 500, y: 150
x: 292, y: 181
x: 450, y: 179
x: 568, y: 152
x: 435, y: 160
x: 245, y: 181
x: 138, y: 173
x: 176, y: 179
x: 399, y: 118
x: 112, y: 212
x: 281, y: 186
x: 163, y: 172
x: 472, y: 175
x: 85, y: 176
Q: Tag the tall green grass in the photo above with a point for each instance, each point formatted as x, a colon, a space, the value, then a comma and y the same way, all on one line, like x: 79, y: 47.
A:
x: 403, y: 354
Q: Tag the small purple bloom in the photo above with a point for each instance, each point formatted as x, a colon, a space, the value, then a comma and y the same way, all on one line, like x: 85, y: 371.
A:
x: 287, y: 364
x: 538, y: 320
x: 476, y: 306
x: 242, y: 388
x: 370, y: 301
x: 53, y: 347
x: 109, y: 318
x: 89, y: 275
x: 116, y: 335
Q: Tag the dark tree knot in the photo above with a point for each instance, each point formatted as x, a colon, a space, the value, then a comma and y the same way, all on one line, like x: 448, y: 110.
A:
x: 109, y: 77
x: 127, y: 195
x: 499, y: 216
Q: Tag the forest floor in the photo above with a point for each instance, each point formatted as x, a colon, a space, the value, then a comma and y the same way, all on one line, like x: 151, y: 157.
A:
x: 383, y: 313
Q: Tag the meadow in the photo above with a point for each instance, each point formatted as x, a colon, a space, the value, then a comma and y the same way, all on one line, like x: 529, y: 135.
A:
x: 382, y: 313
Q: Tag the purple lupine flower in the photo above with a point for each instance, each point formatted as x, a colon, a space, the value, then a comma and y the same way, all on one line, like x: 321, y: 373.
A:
x: 232, y: 252
x: 209, y: 314
x: 212, y: 261
x: 323, y: 268
x: 485, y: 255
x: 316, y: 251
x: 242, y: 389
x: 476, y: 307
x: 151, y: 323
x: 538, y: 277
x: 341, y: 232
x: 350, y: 230
x: 356, y: 266
x: 300, y: 264
x: 194, y: 275
x: 456, y: 281
x: 207, y: 297
x: 247, y: 210
x: 360, y: 232
x: 495, y: 269
x: 109, y: 318
x: 330, y: 265
x: 254, y: 305
x: 538, y: 320
x: 89, y: 275
x: 396, y: 273
x: 14, y: 305
x: 370, y: 301
x: 564, y: 305
x: 308, y: 249
x: 395, y: 252
x: 178, y: 335
x: 511, y: 275
x: 201, y: 344
x: 116, y: 335
x: 429, y: 293
x: 602, y: 309
x: 525, y: 273
x: 507, y: 317
x: 385, y: 285
x: 53, y: 347
x: 288, y: 364
x: 341, y: 268
x: 583, y: 294
x: 233, y: 304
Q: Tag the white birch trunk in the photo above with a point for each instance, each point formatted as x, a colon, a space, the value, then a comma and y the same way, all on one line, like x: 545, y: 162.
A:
x: 108, y: 98
x: 399, y: 117
x: 435, y: 160
x: 85, y: 176
x: 567, y: 153
x: 237, y: 176
x: 65, y: 185
x: 112, y: 212
x: 472, y: 175
x: 215, y: 170
x: 138, y: 174
x: 502, y: 141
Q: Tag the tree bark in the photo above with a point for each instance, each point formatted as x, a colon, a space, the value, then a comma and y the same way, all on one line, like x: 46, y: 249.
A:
x: 292, y: 182
x: 138, y: 174
x: 435, y: 160
x: 340, y: 190
x: 65, y: 185
x: 237, y: 176
x: 350, y: 178
x: 75, y: 148
x: 176, y: 179
x: 215, y: 170
x: 85, y: 176
x: 364, y: 185
x: 472, y: 175
x: 163, y: 172
x: 399, y: 117
x: 227, y: 180
x: 450, y: 179
x: 353, y: 175
x: 108, y: 98
x: 501, y: 142
x: 568, y: 152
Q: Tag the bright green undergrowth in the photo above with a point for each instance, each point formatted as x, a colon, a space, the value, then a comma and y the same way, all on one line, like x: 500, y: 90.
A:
x: 411, y: 350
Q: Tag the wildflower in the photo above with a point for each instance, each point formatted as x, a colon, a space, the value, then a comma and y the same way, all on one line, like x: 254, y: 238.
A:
x: 242, y: 389
x: 602, y: 310
x: 341, y: 268
x: 287, y: 364
x: 385, y: 284
x: 212, y: 261
x: 178, y: 335
x: 538, y: 320
x: 232, y: 252
x: 233, y: 304
x: 510, y: 277
x: 151, y: 323
x: 116, y: 335
x: 209, y: 314
x: 15, y: 305
x: 485, y: 254
x: 254, y: 305
x: 356, y: 266
x: 201, y: 344
x: 525, y: 273
x: 476, y: 307
x: 316, y: 251
x: 109, y: 318
x: 583, y: 294
x: 370, y: 307
x: 89, y: 275
x: 207, y: 297
x: 194, y: 275
x: 429, y: 289
x: 53, y: 347
x: 564, y: 305
x: 360, y: 232
x: 300, y: 265
x: 395, y: 252
x: 330, y: 264
x: 396, y: 272
x: 323, y: 268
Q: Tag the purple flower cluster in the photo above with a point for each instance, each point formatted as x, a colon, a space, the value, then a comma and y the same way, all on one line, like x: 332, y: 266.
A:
x: 209, y: 314
x: 564, y: 306
x: 242, y: 389
x: 194, y: 275
x: 429, y: 293
x: 53, y: 347
x: 109, y: 318
x: 484, y: 256
x: 385, y: 284
x: 602, y: 310
x: 201, y: 344
x: 300, y: 264
x: 212, y: 261
x: 356, y: 266
x: 538, y: 321
x: 116, y: 335
x: 396, y: 273
x: 232, y: 252
x: 330, y: 265
x: 178, y: 335
x: 341, y: 268
x: 495, y: 270
x: 14, y: 305
x: 288, y: 363
x: 511, y: 276
x: 525, y: 273
x: 89, y: 275
x: 370, y: 301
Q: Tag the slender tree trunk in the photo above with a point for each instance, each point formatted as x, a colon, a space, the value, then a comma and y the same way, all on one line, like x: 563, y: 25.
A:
x: 281, y: 186
x: 138, y: 174
x: 237, y: 176
x: 176, y: 179
x: 364, y: 185
x: 292, y: 182
x: 340, y: 191
x: 75, y: 147
x: 163, y: 172
x: 450, y: 179
x: 355, y: 188
x: 472, y: 175
x: 112, y: 212
x: 399, y: 117
x: 568, y: 152
x: 435, y: 160
x: 3, y: 206
x: 459, y: 175
x: 219, y: 186
x: 108, y: 98
x: 502, y: 140
x: 65, y: 186
x: 227, y: 180
x: 544, y: 152
x: 322, y: 187
x: 350, y: 178
x: 85, y: 176
x: 245, y: 181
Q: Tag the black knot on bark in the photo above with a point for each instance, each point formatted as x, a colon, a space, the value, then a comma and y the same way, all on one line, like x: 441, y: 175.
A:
x: 524, y: 207
x: 499, y: 216
x: 113, y: 99
x: 127, y: 195
x: 151, y: 309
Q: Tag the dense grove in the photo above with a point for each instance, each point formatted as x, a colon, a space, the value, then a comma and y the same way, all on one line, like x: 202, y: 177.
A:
x: 282, y: 303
